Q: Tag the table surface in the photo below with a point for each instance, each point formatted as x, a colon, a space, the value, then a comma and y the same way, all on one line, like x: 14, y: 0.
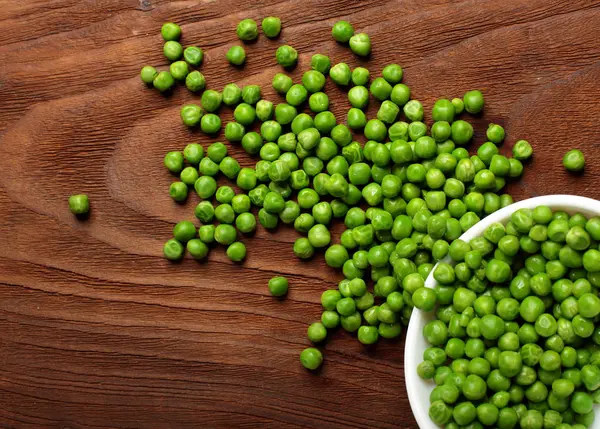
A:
x: 99, y: 330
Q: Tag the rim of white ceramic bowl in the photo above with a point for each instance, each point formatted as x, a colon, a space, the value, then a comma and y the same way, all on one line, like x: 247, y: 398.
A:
x: 418, y: 390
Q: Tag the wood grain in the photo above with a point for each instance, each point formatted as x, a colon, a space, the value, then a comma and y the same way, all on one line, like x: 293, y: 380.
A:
x: 98, y: 330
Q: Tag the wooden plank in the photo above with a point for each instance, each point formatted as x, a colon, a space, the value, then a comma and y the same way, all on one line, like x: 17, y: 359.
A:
x: 98, y: 330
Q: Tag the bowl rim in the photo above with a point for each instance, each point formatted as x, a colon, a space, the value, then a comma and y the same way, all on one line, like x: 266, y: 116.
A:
x: 417, y: 388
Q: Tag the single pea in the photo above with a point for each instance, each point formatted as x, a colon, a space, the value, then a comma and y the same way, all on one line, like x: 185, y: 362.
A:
x: 392, y: 73
x: 232, y: 94
x: 290, y: 212
x: 360, y: 44
x: 236, y: 252
x: 316, y: 332
x: 495, y: 133
x: 522, y: 150
x: 285, y: 114
x: 247, y: 29
x: 400, y: 94
x: 264, y: 110
x: 473, y: 101
x: 278, y: 286
x: 189, y: 175
x: 313, y: 81
x: 443, y: 110
x: 311, y: 358
x: 318, y: 102
x: 193, y: 55
x: 380, y: 89
x: 173, y: 250
x: 210, y: 123
x: 424, y: 299
x: 324, y: 122
x: 319, y: 236
x: 197, y: 248
x: 387, y: 112
x: 206, y: 232
x: 236, y: 55
x: 459, y: 105
x: 245, y: 223
x: 282, y: 83
x: 440, y: 131
x: 574, y: 160
x: 148, y: 74
x: 320, y: 63
x: 178, y: 191
x: 462, y: 132
x: 191, y: 114
x: 245, y: 114
x: 163, y: 81
x: 170, y: 31
x: 80, y: 204
x: 184, y: 231
x: 251, y: 94
x: 413, y: 110
x: 296, y: 95
x: 375, y: 130
x: 211, y: 100
x: 195, y: 81
x: 286, y: 56
x: 342, y: 31
x: 368, y: 334
x: 172, y: 50
x: 271, y: 26
x: 340, y: 74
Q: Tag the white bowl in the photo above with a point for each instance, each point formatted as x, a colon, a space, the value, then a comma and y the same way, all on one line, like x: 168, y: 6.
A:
x: 419, y: 389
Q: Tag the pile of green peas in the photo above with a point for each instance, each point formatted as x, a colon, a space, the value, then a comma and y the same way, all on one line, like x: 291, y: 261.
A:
x: 404, y: 196
x: 516, y: 341
x: 182, y: 62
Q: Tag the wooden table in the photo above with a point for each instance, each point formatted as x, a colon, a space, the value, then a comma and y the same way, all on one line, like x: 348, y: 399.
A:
x: 98, y: 330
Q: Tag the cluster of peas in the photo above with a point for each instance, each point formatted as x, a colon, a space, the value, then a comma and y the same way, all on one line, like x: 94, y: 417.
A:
x: 515, y: 341
x: 405, y: 194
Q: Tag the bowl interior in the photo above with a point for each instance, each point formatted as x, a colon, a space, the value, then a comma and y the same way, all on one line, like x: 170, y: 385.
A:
x: 419, y: 389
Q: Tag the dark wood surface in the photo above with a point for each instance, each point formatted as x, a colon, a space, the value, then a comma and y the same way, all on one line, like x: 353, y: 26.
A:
x: 98, y: 330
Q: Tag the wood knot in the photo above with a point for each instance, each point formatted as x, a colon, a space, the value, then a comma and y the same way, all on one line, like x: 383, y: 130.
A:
x: 146, y: 5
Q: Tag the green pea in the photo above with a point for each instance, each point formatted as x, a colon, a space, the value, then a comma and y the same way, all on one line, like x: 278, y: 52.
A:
x: 462, y: 132
x: 360, y: 76
x: 191, y: 114
x: 296, y: 95
x: 413, y: 110
x: 271, y: 26
x: 80, y: 204
x: 340, y: 74
x: 172, y: 50
x: 148, y: 74
x: 320, y: 63
x: 443, y: 110
x: 495, y: 133
x: 522, y: 150
x: 286, y: 56
x: 236, y: 55
x: 311, y: 358
x: 313, y: 81
x: 282, y: 83
x: 400, y: 94
x: 247, y: 29
x: 284, y: 113
x: 173, y: 250
x: 360, y: 44
x: 210, y: 123
x: 342, y: 31
x: 170, y: 31
x: 574, y: 160
x: 318, y: 102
